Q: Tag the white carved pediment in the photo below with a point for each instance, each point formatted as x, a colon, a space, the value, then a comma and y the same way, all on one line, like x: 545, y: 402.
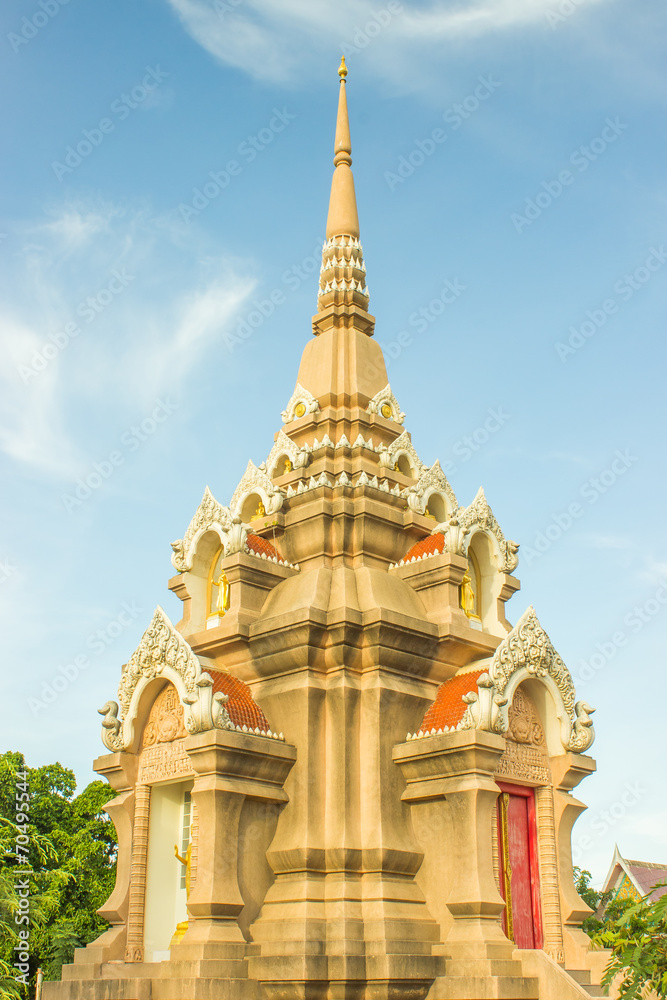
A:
x: 209, y: 515
x: 430, y: 481
x: 163, y: 653
x: 480, y: 516
x: 402, y: 445
x: 528, y: 653
x: 385, y: 397
x: 256, y: 480
x: 285, y: 446
x: 303, y: 396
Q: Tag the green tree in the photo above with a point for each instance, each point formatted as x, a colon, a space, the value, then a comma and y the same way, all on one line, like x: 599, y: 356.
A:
x: 637, y: 936
x: 71, y: 858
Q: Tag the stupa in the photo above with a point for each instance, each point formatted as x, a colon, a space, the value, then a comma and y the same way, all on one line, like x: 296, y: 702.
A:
x: 280, y: 836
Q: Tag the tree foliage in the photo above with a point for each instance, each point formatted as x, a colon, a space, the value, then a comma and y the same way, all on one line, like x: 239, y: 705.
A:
x: 70, y: 865
x: 636, y: 933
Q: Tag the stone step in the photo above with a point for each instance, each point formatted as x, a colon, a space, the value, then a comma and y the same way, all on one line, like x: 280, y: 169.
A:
x: 204, y: 989
x: 485, y: 988
x: 583, y: 977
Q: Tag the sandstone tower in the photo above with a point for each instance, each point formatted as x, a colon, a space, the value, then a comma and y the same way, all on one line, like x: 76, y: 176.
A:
x: 279, y: 834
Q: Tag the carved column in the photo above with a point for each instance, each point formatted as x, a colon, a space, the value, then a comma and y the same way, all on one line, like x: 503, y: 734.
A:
x: 134, y: 951
x: 194, y: 841
x: 494, y: 844
x: 546, y: 836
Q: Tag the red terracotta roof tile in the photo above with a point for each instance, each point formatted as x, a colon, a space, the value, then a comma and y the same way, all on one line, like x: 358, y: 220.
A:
x: 242, y: 707
x: 448, y: 707
x: 426, y: 547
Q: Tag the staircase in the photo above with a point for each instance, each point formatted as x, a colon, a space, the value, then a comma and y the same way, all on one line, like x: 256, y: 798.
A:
x: 583, y: 977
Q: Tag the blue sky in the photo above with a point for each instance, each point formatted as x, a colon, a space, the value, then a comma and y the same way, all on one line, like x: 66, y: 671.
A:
x: 513, y: 148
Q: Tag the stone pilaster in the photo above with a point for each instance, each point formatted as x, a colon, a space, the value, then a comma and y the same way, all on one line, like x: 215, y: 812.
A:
x: 134, y: 950
x: 546, y: 835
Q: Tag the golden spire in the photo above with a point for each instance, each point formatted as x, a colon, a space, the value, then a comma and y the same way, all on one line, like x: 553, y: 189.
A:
x: 343, y: 219
x: 343, y: 273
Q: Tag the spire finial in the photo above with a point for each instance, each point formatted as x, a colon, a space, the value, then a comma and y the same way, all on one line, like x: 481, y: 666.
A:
x: 342, y: 218
x: 343, y: 275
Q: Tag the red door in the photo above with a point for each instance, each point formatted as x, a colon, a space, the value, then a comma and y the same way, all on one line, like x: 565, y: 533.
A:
x: 519, y: 866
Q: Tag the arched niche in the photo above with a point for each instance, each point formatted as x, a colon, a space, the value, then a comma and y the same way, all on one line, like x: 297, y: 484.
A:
x: 281, y: 466
x: 545, y: 696
x: 208, y: 553
x: 254, y: 507
x: 483, y: 573
x: 437, y: 507
x: 403, y: 465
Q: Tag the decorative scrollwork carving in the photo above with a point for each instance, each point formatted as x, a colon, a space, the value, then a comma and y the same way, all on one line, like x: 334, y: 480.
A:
x: 209, y: 514
x: 384, y: 398
x: 479, y: 515
x: 163, y: 652
x: 300, y: 398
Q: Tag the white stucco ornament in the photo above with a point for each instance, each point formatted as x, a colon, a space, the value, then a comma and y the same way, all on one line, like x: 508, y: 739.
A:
x: 385, y: 398
x: 256, y: 480
x: 284, y: 446
x: 528, y: 653
x: 430, y: 481
x: 300, y: 400
x: 163, y: 653
x: 210, y: 515
x: 401, y: 446
x: 479, y: 516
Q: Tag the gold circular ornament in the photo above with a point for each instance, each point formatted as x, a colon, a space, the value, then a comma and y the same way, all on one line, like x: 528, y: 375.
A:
x: 385, y: 410
x: 299, y: 409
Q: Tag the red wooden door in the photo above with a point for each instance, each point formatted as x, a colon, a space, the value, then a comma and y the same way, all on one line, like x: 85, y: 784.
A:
x: 519, y: 865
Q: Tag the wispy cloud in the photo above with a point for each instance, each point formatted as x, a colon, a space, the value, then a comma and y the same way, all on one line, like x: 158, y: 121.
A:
x: 273, y: 39
x: 102, y: 307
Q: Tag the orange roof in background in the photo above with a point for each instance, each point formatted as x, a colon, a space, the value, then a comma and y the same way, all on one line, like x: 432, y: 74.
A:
x: 426, y: 547
x: 260, y: 545
x: 448, y: 707
x: 242, y: 707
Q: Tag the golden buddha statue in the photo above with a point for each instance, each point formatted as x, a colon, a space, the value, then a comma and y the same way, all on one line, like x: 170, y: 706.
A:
x: 261, y: 510
x: 223, y: 602
x: 182, y: 925
x: 467, y: 597
x: 187, y: 862
x: 288, y: 466
x: 427, y: 513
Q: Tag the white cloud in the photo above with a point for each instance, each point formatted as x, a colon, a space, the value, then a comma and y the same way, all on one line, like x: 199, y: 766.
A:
x: 173, y: 306
x: 274, y: 39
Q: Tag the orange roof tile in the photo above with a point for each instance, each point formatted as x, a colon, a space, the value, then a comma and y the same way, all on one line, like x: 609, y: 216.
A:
x: 430, y: 545
x: 242, y: 707
x: 448, y: 707
x: 260, y: 546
